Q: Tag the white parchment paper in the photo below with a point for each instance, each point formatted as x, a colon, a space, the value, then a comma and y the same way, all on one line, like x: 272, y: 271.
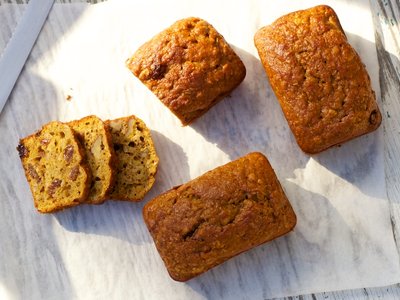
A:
x: 343, y: 238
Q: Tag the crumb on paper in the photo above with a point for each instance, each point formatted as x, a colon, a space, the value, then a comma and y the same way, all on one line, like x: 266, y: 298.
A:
x: 68, y: 94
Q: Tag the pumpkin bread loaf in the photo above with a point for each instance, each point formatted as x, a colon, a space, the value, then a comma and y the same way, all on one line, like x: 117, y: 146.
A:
x: 55, y: 167
x: 189, y: 67
x: 322, y: 85
x: 218, y: 215
x: 96, y: 139
x: 136, y: 158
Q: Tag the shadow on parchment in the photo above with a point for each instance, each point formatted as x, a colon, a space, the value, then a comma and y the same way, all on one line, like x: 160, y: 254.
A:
x: 258, y: 124
x: 122, y: 219
x: 289, y: 263
x: 34, y: 265
x: 358, y: 160
x: 251, y: 119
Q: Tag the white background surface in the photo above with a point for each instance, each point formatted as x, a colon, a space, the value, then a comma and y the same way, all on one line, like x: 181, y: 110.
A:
x: 343, y: 238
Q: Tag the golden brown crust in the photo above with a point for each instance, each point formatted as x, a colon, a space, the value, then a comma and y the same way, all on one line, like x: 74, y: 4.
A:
x: 96, y: 139
x: 136, y: 158
x: 55, y: 167
x: 218, y: 215
x: 189, y: 67
x: 322, y: 85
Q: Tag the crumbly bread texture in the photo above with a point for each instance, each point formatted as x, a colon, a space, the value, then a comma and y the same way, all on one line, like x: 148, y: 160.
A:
x: 189, y: 67
x: 96, y: 139
x: 136, y: 158
x: 55, y: 167
x: 218, y: 215
x: 322, y: 85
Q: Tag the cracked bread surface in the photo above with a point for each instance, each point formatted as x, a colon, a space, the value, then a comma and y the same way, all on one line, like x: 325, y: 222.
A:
x: 136, y: 158
x: 96, y: 139
x: 218, y: 215
x: 55, y: 167
x: 189, y: 67
x: 320, y: 81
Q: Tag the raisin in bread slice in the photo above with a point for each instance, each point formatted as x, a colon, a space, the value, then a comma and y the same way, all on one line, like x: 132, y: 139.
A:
x: 136, y: 158
x: 55, y: 167
x: 96, y: 139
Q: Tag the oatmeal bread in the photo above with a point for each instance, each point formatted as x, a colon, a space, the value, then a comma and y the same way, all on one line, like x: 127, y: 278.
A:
x: 55, y: 167
x: 96, y: 139
x: 322, y: 85
x: 136, y: 158
x: 189, y: 67
x: 218, y: 215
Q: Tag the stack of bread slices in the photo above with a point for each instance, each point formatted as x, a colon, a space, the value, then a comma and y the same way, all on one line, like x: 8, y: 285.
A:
x: 88, y: 161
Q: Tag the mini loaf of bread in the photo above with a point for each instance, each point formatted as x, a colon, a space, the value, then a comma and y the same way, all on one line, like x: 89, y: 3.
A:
x: 96, y: 139
x: 322, y: 85
x: 136, y: 158
x: 55, y: 167
x: 189, y: 67
x: 218, y: 215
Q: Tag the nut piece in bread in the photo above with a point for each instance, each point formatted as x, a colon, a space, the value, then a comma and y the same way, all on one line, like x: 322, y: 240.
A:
x: 55, y: 167
x: 189, y: 67
x: 321, y: 84
x: 136, y: 158
x: 96, y: 139
x: 218, y: 215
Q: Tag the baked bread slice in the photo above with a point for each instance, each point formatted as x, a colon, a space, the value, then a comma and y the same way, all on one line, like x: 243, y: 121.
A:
x: 96, y: 139
x: 189, y: 67
x: 136, y: 158
x: 320, y: 81
x: 55, y: 167
x: 218, y: 215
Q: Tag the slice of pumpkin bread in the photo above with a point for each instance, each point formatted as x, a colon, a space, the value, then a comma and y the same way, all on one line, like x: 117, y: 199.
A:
x: 55, y: 167
x: 94, y: 135
x: 136, y: 158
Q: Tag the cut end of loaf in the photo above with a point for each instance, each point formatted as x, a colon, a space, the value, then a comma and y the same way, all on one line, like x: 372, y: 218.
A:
x: 96, y: 140
x: 55, y: 167
x: 136, y: 159
x: 88, y: 161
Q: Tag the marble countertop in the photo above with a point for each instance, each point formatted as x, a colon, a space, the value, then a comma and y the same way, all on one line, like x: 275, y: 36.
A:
x: 386, y: 17
x: 54, y: 248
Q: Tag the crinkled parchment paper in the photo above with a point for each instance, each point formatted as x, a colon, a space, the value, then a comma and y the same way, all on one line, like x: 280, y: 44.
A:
x: 343, y: 238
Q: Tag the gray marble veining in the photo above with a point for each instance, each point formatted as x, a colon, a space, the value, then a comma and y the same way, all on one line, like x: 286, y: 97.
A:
x: 343, y: 239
